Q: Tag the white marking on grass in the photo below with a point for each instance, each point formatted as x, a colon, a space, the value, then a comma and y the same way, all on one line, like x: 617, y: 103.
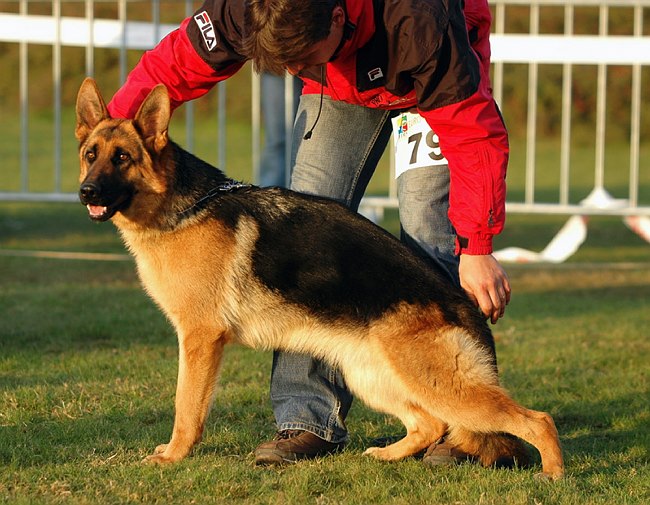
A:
x: 65, y: 255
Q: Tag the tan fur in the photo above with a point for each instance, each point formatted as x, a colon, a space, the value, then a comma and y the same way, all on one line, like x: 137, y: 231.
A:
x: 408, y: 363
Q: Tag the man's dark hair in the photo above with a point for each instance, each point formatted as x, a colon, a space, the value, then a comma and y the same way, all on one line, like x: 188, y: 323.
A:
x: 280, y: 32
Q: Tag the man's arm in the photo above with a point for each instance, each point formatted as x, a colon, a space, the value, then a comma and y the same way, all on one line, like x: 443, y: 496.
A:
x: 474, y: 140
x: 182, y: 63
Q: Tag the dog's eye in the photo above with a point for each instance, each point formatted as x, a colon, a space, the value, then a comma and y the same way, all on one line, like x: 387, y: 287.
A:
x: 123, y: 157
x: 90, y: 156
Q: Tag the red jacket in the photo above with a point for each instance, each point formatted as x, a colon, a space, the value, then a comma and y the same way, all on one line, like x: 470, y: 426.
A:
x: 432, y: 56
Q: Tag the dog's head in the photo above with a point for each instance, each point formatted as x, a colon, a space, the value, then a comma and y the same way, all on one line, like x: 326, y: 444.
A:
x: 119, y: 157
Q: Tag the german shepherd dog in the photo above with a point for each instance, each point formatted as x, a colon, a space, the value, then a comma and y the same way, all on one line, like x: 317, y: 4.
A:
x: 275, y: 269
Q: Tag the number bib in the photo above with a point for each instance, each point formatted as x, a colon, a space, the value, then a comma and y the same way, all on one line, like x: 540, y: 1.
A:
x: 416, y: 145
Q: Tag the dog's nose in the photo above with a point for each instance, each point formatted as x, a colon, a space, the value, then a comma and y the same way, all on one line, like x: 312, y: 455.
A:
x: 89, y: 191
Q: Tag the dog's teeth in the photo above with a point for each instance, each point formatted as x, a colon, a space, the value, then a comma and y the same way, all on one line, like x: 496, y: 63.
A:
x: 96, y: 210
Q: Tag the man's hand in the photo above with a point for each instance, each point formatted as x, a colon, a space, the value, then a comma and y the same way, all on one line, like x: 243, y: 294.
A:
x: 485, y: 281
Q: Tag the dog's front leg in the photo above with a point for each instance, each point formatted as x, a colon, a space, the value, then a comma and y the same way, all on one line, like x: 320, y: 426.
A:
x: 199, y: 359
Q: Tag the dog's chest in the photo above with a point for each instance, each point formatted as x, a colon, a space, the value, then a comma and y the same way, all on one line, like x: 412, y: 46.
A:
x: 184, y: 269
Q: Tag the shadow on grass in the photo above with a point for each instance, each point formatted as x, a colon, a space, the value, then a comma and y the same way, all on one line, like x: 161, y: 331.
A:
x: 594, y: 444
x: 132, y: 435
x: 42, y: 440
x: 46, y: 441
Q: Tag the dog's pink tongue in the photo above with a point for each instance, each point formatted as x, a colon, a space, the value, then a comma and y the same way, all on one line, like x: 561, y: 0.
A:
x: 96, y: 210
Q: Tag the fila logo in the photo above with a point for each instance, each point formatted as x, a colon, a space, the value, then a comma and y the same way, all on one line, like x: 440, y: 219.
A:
x: 375, y: 74
x: 207, y: 30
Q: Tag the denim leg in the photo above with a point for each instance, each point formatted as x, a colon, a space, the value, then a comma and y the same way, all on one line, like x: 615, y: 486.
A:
x: 273, y: 159
x: 337, y: 162
x: 342, y: 155
x: 423, y: 195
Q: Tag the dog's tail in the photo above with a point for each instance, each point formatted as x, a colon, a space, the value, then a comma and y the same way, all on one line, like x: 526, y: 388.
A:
x: 491, y: 449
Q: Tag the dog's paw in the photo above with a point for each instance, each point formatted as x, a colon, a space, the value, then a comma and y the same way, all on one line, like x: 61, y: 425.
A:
x: 378, y: 453
x: 548, y: 477
x: 160, y: 456
x: 160, y: 449
x: 158, y: 459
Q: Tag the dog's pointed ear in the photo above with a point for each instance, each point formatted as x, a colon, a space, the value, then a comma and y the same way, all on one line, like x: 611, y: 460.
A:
x: 153, y: 118
x: 91, y: 109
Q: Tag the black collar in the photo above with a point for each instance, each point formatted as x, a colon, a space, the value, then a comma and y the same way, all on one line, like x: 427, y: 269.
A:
x: 228, y: 186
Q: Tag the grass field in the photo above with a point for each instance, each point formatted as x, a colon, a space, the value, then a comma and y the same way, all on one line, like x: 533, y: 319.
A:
x: 88, y: 370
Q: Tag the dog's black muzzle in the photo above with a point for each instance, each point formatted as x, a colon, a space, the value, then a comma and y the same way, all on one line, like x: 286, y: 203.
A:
x: 102, y: 204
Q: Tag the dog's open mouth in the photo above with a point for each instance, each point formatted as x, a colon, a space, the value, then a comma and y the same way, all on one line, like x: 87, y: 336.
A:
x: 100, y: 212
x: 105, y: 212
x: 97, y: 211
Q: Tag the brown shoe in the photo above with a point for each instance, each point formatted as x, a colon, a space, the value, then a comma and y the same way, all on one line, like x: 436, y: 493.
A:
x: 443, y: 453
x: 289, y: 446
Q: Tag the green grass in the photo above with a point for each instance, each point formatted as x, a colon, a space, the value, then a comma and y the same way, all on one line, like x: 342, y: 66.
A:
x: 88, y: 371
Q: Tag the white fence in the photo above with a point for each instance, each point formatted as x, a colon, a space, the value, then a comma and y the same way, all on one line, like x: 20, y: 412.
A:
x: 533, y: 47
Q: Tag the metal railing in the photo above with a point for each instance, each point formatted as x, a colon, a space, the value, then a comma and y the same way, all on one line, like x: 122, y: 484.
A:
x: 532, y: 47
x: 570, y: 49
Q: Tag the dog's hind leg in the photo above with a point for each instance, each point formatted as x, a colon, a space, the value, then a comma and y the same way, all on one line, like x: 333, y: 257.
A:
x: 200, y: 353
x: 492, y: 411
x: 422, y: 430
x: 373, y: 380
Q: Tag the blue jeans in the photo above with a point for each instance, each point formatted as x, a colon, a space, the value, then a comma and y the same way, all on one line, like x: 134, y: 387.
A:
x: 273, y: 160
x: 337, y: 162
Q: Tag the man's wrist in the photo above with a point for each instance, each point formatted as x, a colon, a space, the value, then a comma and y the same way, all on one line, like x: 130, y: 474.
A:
x: 474, y: 244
